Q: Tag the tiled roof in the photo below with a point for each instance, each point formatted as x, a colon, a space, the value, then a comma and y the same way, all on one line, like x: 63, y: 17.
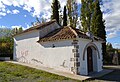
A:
x: 63, y: 33
x: 39, y: 26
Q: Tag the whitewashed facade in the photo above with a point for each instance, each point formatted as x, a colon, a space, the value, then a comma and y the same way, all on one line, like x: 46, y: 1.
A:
x: 68, y: 55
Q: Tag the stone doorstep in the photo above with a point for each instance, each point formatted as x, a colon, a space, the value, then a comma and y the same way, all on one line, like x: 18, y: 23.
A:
x: 61, y: 73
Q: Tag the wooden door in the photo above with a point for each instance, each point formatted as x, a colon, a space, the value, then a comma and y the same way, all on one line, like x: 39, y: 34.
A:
x: 89, y: 60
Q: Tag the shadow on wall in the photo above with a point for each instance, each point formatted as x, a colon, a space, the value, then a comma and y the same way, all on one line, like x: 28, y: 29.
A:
x: 56, y: 44
x: 26, y: 36
x: 14, y: 52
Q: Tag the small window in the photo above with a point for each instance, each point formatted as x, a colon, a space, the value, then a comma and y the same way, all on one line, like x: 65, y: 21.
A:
x: 53, y: 46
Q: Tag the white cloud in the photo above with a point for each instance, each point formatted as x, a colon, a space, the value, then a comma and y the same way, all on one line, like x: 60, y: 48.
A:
x: 35, y: 7
x: 112, y: 17
x: 15, y: 3
x: 2, y: 14
x: 25, y: 15
x: 1, y: 5
x: 15, y: 11
x: 6, y: 2
x: 16, y: 26
x: 8, y: 11
x: 27, y: 8
x: 79, y: 1
x: 112, y: 35
x: 2, y: 26
x: 2, y: 9
x: 116, y: 45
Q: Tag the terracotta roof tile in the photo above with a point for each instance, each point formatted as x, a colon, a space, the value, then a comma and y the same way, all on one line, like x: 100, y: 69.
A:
x: 58, y: 34
x: 63, y: 33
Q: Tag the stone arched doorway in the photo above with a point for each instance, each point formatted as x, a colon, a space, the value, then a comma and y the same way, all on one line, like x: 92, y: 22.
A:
x: 92, y: 57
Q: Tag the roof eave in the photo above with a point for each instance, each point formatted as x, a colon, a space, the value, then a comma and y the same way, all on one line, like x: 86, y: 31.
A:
x: 39, y: 41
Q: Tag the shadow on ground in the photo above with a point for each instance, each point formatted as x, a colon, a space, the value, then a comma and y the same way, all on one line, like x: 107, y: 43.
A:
x: 113, y: 76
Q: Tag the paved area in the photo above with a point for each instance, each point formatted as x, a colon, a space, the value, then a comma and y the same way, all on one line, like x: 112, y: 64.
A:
x: 77, y: 77
x: 113, y: 76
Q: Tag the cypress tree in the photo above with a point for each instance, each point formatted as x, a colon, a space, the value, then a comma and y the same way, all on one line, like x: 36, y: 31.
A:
x: 92, y: 19
x: 55, y: 10
x: 98, y: 27
x: 64, y: 17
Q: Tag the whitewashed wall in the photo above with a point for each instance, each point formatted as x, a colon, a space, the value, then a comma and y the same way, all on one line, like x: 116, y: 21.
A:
x: 24, y: 45
x: 57, y: 57
x: 28, y: 50
x: 43, y: 54
x: 100, y: 61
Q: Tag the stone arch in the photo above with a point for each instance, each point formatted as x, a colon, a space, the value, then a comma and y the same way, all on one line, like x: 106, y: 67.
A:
x: 91, y: 44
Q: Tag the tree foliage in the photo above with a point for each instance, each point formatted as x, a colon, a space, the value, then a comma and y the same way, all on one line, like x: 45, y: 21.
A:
x: 16, y: 30
x: 6, y: 41
x: 92, y: 20
x: 5, y: 32
x: 97, y: 25
x: 72, y: 12
x: 6, y: 45
x: 64, y: 17
x: 55, y: 10
x: 86, y: 14
x: 109, y: 53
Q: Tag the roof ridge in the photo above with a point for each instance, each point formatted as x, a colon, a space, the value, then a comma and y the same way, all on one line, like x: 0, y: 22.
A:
x: 39, y: 26
x: 73, y: 31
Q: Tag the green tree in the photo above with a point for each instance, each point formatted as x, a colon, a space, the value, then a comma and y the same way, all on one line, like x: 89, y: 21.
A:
x: 97, y: 25
x: 16, y: 30
x: 72, y: 12
x: 55, y: 10
x: 64, y: 17
x: 37, y: 19
x: 6, y: 42
x: 20, y: 29
x: 109, y: 53
x: 5, y: 32
x: 92, y: 20
x: 86, y: 14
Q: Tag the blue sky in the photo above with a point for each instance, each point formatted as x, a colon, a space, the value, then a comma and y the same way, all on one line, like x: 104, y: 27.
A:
x: 16, y: 13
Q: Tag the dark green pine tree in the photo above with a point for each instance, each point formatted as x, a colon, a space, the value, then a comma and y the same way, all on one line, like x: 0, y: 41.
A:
x: 64, y: 17
x: 92, y: 19
x: 55, y: 10
x: 86, y: 14
x: 98, y: 27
